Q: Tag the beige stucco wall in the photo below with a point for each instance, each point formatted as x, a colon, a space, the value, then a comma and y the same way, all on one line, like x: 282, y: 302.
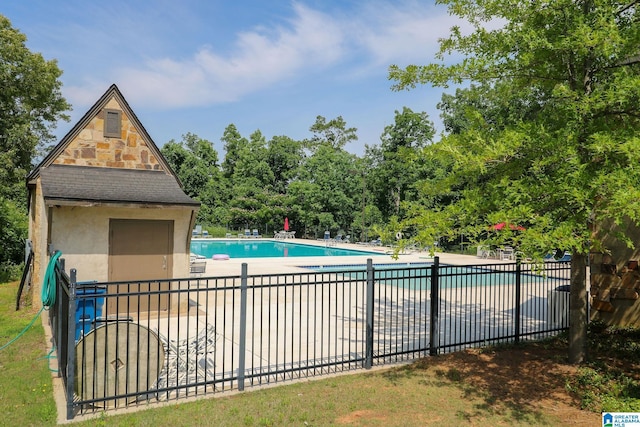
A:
x: 82, y: 235
x: 38, y: 231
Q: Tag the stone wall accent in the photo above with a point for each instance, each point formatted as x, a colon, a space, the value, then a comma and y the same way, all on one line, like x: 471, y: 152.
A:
x: 91, y: 148
x: 615, y: 276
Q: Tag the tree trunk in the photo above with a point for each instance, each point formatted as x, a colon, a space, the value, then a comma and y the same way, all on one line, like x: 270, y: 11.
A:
x: 578, y: 309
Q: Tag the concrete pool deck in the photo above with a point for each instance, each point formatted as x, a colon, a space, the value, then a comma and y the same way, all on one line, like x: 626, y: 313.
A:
x: 378, y: 254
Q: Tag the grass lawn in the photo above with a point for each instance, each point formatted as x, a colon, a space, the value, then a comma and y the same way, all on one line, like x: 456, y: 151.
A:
x: 526, y: 385
x: 26, y: 396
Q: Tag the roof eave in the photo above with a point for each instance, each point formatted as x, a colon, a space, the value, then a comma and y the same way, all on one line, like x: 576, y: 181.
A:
x: 53, y: 201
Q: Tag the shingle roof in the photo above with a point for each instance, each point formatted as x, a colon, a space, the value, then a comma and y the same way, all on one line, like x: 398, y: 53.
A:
x: 111, y: 185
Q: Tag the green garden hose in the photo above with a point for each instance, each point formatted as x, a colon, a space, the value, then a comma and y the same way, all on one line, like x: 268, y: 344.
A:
x: 48, y: 294
x: 49, y: 284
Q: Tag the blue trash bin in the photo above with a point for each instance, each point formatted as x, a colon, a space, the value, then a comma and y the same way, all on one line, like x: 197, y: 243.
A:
x: 88, y: 308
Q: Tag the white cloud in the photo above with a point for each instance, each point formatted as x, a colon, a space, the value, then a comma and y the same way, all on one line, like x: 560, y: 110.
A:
x: 311, y: 41
x: 261, y: 57
x: 403, y: 33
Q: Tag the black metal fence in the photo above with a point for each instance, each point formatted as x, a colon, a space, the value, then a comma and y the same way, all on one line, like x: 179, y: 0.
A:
x: 127, y: 343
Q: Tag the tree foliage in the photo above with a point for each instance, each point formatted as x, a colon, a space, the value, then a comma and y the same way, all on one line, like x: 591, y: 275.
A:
x: 334, y: 133
x: 195, y: 161
x: 30, y: 105
x: 393, y: 170
x: 571, y: 161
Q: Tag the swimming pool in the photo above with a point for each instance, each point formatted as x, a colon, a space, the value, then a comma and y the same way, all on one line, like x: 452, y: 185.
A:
x: 247, y: 248
x: 418, y: 276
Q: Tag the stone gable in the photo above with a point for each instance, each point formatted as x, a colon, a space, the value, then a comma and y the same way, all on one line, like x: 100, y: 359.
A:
x: 91, y: 148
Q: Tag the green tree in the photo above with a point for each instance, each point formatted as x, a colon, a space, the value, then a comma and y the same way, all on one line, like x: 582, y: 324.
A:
x: 571, y: 165
x: 335, y: 187
x: 333, y: 132
x: 195, y: 161
x: 30, y: 105
x: 394, y: 170
x: 304, y: 207
x: 233, y: 143
x: 13, y: 231
x: 494, y: 102
x: 284, y: 156
x: 252, y: 182
x: 251, y: 163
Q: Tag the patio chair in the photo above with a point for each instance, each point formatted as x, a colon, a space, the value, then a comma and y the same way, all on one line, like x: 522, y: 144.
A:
x: 482, y: 251
x: 247, y: 233
x: 507, y: 253
x: 195, y: 257
x: 255, y: 234
x: 198, y: 267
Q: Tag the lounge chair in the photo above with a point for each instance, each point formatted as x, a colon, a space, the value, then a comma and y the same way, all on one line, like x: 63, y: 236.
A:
x: 255, y: 234
x: 338, y: 238
x: 347, y: 238
x: 507, y: 253
x: 482, y: 251
x: 195, y: 257
x: 247, y: 233
x: 198, y: 267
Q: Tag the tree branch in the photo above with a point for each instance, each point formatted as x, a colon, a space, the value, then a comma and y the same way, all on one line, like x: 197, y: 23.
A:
x: 631, y: 61
x: 627, y: 7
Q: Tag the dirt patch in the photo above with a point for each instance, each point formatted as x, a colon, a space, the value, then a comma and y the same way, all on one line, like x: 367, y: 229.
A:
x: 358, y: 417
x: 531, y: 378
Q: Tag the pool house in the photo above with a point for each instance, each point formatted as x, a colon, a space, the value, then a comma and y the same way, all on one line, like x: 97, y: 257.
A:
x: 106, y: 198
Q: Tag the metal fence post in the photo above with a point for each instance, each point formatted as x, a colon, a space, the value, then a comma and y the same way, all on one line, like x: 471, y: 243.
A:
x: 434, y: 321
x: 368, y: 358
x: 58, y: 324
x: 518, y: 298
x: 243, y: 327
x: 71, y: 344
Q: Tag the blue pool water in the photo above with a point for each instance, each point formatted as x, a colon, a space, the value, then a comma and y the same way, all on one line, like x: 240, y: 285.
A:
x: 418, y: 275
x: 247, y: 248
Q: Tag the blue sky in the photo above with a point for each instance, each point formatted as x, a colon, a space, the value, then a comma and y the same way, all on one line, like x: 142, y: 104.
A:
x: 197, y: 66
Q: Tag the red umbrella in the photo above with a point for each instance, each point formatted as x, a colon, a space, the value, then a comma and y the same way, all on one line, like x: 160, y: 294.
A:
x: 286, y: 224
x: 501, y: 225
